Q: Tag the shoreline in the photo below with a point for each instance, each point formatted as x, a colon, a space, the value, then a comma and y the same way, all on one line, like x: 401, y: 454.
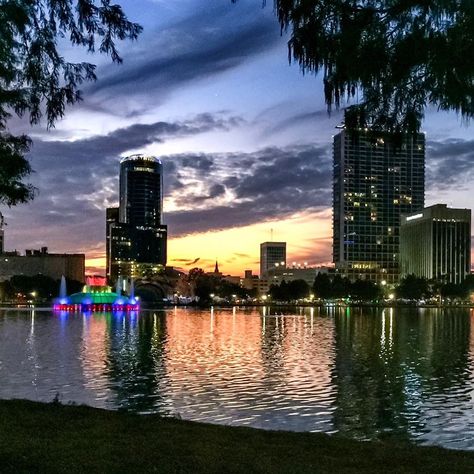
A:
x: 260, y: 305
x: 50, y: 437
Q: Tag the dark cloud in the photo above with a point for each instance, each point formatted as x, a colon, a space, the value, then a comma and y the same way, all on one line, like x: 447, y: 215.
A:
x: 214, y: 40
x: 450, y: 163
x: 78, y: 179
x: 213, y: 191
x: 94, y: 150
x: 267, y: 184
x: 300, y: 119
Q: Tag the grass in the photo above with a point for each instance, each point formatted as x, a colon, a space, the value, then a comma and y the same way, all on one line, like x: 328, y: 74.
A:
x: 52, y: 438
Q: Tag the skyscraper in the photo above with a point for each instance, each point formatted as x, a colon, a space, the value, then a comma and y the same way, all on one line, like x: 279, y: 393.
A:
x: 271, y: 254
x: 141, y: 191
x: 436, y: 244
x: 136, y: 238
x: 376, y: 178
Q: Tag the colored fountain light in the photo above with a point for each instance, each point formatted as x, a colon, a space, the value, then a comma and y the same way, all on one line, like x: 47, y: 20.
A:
x: 95, y: 298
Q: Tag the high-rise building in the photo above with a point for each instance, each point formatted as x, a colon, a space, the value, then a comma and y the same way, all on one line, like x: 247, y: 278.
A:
x: 377, y: 177
x: 271, y: 254
x: 135, y: 237
x: 436, y: 244
x: 141, y: 191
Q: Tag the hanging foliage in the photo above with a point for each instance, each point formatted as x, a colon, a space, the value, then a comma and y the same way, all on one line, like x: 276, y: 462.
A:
x: 36, y: 80
x: 391, y: 58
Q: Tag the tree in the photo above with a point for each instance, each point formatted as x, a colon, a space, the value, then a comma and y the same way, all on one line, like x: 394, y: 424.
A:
x: 35, y: 79
x: 453, y: 290
x: 298, y: 289
x: 341, y: 287
x: 322, y: 286
x: 400, y: 55
x: 412, y: 287
x: 365, y: 290
x: 42, y: 285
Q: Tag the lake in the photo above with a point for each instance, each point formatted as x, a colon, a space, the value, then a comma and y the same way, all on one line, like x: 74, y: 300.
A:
x: 369, y: 373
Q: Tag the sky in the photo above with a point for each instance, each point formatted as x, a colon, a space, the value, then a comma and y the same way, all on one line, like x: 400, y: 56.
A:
x: 244, y: 137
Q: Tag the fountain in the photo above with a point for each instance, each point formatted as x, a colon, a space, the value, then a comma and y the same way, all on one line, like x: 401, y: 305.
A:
x: 95, y: 297
x: 131, y: 293
x: 62, y: 291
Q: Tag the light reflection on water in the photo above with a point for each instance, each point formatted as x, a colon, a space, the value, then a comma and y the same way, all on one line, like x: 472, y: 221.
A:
x: 361, y: 373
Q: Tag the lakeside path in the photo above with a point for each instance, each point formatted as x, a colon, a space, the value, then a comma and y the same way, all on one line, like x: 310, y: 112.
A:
x: 36, y: 437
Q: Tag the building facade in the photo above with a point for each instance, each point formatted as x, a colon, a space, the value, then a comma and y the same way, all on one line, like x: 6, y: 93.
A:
x: 377, y: 177
x: 136, y: 239
x: 271, y: 254
x: 436, y: 244
x: 141, y: 191
x: 40, y: 262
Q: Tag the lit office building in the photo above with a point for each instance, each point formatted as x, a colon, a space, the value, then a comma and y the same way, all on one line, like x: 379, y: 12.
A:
x: 141, y: 191
x: 377, y: 177
x: 135, y: 237
x: 436, y: 244
x: 271, y: 254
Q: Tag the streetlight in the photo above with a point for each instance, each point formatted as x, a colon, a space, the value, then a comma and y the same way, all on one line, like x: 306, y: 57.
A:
x: 33, y: 294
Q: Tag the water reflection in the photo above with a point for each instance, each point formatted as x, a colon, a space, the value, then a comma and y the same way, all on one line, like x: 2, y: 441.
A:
x: 407, y: 375
x: 362, y: 373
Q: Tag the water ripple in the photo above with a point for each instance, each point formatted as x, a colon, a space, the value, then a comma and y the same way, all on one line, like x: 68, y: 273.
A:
x: 364, y: 374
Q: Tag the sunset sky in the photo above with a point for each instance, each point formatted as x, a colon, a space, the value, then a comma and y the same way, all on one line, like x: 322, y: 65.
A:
x: 244, y: 138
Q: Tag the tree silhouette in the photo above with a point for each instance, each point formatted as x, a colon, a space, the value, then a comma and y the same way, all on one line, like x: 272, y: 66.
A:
x: 396, y: 56
x: 35, y: 79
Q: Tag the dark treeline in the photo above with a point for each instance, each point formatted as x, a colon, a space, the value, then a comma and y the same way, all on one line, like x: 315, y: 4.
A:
x: 293, y: 290
x: 415, y: 288
x: 338, y: 287
x: 410, y: 288
x: 44, y: 288
x: 204, y: 285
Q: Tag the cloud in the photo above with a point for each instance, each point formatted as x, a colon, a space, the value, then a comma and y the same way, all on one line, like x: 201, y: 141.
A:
x: 449, y: 163
x: 78, y: 179
x: 216, y: 39
x: 302, y: 119
x: 263, y: 185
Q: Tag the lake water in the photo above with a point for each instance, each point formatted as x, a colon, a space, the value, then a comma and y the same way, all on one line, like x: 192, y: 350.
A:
x: 360, y: 373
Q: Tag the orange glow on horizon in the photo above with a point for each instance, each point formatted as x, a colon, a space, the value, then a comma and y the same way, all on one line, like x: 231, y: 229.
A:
x: 308, y: 237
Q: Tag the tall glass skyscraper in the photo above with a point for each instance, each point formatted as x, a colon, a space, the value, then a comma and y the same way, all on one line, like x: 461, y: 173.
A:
x: 377, y: 177
x: 141, y: 191
x: 136, y: 237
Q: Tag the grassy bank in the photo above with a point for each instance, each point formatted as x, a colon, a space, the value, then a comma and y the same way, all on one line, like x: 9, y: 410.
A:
x: 53, y: 438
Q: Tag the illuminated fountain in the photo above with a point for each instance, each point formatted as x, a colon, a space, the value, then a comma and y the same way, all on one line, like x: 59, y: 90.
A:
x: 95, y: 297
x: 62, y: 291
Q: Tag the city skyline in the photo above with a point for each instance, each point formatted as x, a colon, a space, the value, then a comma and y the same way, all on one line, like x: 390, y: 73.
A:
x: 244, y: 138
